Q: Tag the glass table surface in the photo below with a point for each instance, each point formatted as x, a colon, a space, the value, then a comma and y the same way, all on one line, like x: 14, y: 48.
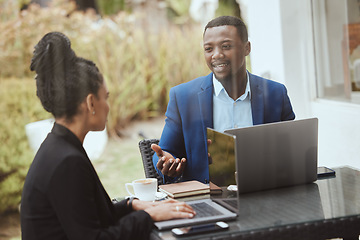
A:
x: 326, y: 199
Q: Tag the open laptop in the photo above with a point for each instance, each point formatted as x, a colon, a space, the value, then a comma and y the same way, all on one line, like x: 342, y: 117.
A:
x: 215, y: 207
x: 276, y: 155
x: 222, y: 161
x: 206, y: 211
x: 268, y: 156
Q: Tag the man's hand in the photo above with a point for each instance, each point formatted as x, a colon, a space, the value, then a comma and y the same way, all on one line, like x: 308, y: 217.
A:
x: 167, y: 164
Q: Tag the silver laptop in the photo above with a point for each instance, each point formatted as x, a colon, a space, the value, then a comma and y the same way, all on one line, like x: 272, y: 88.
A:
x: 276, y: 155
x: 266, y: 157
x: 206, y: 211
x: 209, y: 210
x: 222, y: 158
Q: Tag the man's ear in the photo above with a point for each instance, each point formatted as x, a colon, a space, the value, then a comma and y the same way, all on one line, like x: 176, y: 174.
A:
x: 247, y: 48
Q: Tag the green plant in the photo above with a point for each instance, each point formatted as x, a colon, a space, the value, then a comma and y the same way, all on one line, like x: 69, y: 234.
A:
x: 178, y: 11
x: 228, y: 7
x: 110, y: 7
x: 138, y: 65
x: 18, y: 106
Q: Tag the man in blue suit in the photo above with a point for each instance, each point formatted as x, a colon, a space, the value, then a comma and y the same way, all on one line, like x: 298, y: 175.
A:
x: 229, y: 97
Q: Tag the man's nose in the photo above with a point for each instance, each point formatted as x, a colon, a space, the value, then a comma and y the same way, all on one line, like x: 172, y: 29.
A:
x: 217, y: 53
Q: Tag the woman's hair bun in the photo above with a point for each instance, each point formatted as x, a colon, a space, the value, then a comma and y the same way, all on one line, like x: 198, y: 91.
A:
x: 53, y: 61
x: 54, y: 45
x: 63, y: 80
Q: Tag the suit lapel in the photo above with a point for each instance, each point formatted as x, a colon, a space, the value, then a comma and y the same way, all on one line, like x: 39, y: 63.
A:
x: 257, y: 104
x: 205, y: 97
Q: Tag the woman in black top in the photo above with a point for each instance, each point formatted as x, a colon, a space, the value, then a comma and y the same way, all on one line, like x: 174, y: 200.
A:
x: 63, y: 197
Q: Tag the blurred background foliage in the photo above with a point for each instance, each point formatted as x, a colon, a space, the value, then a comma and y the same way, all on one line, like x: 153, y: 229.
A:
x: 18, y: 106
x: 140, y: 61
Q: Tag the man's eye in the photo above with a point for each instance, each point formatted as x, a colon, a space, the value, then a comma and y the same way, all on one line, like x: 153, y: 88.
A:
x: 207, y: 49
x: 226, y: 46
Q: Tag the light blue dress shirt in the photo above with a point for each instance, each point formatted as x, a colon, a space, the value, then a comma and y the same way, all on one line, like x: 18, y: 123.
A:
x: 229, y: 113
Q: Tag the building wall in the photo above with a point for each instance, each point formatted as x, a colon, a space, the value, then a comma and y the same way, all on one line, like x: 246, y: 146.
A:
x: 281, y: 33
x: 267, y: 39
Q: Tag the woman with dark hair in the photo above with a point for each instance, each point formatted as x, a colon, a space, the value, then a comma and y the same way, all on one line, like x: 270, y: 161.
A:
x: 63, y: 197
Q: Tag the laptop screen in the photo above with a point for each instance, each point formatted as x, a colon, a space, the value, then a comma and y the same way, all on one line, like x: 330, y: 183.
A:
x: 222, y: 160
x: 276, y: 155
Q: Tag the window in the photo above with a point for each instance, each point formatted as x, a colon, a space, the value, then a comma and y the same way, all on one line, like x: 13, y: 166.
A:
x: 336, y: 25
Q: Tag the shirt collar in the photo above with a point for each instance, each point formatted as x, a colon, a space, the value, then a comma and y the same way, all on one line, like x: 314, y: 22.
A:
x: 218, y: 87
x: 68, y: 135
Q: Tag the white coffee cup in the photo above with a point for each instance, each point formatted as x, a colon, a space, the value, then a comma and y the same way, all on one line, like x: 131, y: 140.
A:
x: 145, y: 189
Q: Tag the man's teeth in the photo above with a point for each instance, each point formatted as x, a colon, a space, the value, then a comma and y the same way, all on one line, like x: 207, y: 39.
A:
x: 221, y: 65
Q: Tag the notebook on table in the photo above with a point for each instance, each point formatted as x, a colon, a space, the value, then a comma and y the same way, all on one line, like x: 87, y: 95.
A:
x: 184, y: 189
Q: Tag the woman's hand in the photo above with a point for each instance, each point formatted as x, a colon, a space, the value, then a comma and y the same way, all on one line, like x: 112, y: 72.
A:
x: 142, y: 205
x: 165, y: 210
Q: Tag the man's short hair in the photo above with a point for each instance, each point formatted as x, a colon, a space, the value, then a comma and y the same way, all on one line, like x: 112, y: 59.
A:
x: 230, y: 21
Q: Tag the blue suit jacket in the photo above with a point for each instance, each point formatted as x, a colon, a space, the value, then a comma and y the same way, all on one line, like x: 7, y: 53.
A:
x: 190, y: 112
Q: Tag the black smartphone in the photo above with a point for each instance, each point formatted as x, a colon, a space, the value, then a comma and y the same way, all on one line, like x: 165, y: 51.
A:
x: 325, y: 172
x: 197, y: 229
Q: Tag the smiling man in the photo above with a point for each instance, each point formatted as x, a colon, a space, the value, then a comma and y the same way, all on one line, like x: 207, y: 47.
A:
x: 229, y: 97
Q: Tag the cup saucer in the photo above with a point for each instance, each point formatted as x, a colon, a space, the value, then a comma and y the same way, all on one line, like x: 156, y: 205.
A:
x: 160, y: 196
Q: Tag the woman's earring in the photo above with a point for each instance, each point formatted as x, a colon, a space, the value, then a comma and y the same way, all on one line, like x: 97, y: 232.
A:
x: 93, y: 112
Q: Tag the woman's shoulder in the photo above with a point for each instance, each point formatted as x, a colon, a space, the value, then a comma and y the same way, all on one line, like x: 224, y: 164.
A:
x: 55, y: 151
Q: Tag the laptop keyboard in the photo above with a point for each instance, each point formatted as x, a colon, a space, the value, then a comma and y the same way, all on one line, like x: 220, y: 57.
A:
x: 204, y: 210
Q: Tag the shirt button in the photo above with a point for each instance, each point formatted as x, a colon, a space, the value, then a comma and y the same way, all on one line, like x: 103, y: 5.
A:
x: 235, y: 126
